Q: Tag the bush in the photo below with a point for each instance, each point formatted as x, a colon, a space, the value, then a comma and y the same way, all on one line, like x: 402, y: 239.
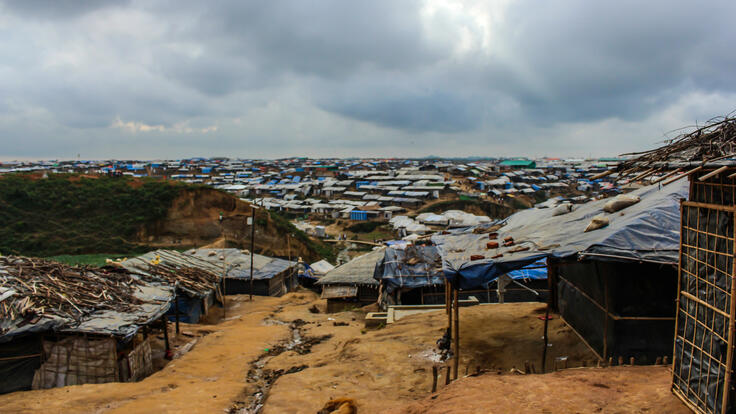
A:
x: 364, y: 226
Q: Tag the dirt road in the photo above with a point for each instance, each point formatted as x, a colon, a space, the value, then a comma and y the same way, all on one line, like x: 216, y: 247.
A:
x: 587, y: 390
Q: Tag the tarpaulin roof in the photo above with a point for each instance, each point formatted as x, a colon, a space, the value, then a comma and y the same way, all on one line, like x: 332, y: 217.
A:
x: 237, y: 263
x: 358, y: 271
x: 411, y: 267
x: 645, y: 231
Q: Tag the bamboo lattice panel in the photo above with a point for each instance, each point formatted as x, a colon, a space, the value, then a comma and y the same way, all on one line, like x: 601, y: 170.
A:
x: 704, y: 306
x: 719, y: 190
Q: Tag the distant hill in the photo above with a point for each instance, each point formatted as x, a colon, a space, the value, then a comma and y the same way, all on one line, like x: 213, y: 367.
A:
x: 73, y: 214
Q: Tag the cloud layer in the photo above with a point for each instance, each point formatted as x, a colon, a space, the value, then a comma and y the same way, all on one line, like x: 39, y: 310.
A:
x: 165, y: 78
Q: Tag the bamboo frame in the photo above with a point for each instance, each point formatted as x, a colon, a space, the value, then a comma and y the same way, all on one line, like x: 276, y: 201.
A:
x: 703, y: 251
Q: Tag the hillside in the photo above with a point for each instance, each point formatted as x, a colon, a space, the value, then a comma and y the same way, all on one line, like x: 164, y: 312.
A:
x: 72, y: 214
x: 477, y: 207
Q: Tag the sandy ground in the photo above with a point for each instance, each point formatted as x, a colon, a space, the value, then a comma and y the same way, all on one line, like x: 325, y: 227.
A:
x: 254, y: 351
x: 629, y: 389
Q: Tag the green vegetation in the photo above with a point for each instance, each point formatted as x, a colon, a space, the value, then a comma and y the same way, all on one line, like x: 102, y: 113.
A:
x: 70, y: 214
x: 284, y: 225
x: 364, y: 226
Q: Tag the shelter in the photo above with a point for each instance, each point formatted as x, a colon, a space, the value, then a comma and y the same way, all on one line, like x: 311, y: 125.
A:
x: 196, y: 281
x: 613, y: 285
x: 351, y: 284
x: 63, y: 325
x: 705, y: 333
x: 271, y: 276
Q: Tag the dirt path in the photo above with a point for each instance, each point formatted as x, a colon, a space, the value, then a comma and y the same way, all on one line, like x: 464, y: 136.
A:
x: 385, y: 368
x: 206, y: 380
x: 643, y: 389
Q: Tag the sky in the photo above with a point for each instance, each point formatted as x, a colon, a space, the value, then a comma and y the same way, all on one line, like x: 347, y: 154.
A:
x: 167, y: 79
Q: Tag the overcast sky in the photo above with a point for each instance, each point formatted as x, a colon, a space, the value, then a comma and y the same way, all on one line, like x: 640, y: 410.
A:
x: 397, y: 78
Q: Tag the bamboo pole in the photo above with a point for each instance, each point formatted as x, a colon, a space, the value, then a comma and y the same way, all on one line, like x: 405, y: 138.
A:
x: 713, y: 173
x: 644, y: 174
x: 605, y: 315
x: 729, y: 350
x: 666, y: 176
x: 176, y: 310
x: 165, y: 323
x: 683, y: 175
x: 603, y: 174
x: 252, y: 246
x: 457, y: 333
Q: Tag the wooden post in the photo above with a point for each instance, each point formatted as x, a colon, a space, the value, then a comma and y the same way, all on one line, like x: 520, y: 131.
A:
x: 252, y: 246
x: 677, y: 299
x: 729, y: 350
x: 605, y: 315
x: 434, y: 379
x: 546, y: 340
x: 457, y: 332
x: 448, y: 306
x: 165, y: 323
x: 551, y: 276
x: 176, y: 310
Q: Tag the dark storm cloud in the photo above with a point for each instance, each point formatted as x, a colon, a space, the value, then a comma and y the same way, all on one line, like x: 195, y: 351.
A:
x: 418, y: 69
x: 53, y: 9
x: 592, y: 60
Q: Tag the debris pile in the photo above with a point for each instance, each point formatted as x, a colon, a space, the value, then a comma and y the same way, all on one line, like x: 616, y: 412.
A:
x: 714, y: 141
x: 187, y: 278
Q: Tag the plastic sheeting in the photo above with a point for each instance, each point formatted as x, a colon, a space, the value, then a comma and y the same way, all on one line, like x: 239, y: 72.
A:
x: 646, y: 231
x: 76, y: 360
x: 412, y: 267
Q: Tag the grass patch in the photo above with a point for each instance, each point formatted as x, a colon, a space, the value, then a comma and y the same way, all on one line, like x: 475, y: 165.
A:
x: 284, y: 225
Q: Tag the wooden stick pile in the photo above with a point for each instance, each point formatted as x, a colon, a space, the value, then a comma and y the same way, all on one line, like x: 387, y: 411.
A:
x: 41, y: 287
x: 188, y: 278
x: 716, y: 140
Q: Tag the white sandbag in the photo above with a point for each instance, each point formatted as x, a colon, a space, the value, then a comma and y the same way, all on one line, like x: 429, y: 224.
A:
x: 596, y: 223
x: 620, y: 202
x: 562, y: 209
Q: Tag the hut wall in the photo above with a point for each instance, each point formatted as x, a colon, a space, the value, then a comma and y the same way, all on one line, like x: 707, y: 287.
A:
x: 77, y: 360
x: 21, y: 357
x: 261, y: 287
x: 620, y: 308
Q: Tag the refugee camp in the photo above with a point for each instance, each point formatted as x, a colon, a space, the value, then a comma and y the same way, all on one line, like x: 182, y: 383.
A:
x: 346, y: 207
